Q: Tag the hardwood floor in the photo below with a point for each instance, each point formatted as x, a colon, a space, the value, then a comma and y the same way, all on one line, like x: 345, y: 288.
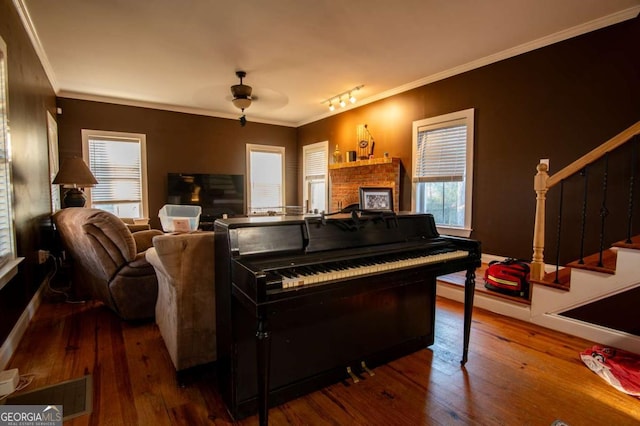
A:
x: 517, y: 374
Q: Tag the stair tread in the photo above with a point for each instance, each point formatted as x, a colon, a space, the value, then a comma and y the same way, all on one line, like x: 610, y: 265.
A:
x: 549, y: 279
x: 634, y: 244
x: 591, y: 263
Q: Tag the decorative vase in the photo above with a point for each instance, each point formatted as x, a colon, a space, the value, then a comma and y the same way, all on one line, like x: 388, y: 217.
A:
x: 337, y: 156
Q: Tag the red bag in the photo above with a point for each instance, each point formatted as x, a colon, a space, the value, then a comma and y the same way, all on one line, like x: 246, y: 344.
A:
x: 510, y: 276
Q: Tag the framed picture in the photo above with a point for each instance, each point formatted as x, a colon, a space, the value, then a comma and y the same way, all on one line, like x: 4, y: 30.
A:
x: 376, y: 199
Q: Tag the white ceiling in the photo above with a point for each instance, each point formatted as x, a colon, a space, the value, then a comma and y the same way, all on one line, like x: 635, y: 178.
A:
x: 182, y: 55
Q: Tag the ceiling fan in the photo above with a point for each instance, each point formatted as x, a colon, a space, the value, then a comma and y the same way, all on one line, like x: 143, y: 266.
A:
x: 241, y: 96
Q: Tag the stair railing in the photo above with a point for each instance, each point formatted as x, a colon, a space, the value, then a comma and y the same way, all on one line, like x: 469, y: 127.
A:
x: 543, y: 182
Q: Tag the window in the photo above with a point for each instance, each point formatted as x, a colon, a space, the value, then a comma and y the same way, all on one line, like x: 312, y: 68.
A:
x: 8, y: 260
x: 119, y: 163
x: 52, y: 137
x: 443, y: 170
x: 314, y: 192
x: 265, y: 167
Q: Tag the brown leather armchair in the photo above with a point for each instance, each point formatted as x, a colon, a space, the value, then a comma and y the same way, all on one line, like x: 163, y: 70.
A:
x: 108, y: 261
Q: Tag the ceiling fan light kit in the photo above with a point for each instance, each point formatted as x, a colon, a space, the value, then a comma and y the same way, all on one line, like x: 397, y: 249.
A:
x: 241, y: 96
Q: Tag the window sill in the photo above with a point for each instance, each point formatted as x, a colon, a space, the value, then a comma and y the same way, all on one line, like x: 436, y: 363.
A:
x: 456, y: 232
x: 9, y: 270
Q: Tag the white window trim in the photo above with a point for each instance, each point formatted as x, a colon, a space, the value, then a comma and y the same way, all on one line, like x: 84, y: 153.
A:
x: 250, y: 147
x: 460, y: 117
x: 318, y: 146
x: 8, y: 269
x: 87, y: 134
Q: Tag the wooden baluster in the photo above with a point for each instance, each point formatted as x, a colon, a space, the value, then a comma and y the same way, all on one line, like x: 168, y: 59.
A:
x: 540, y: 186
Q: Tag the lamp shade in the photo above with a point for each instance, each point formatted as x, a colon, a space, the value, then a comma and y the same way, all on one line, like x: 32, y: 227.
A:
x: 74, y: 172
x: 241, y: 103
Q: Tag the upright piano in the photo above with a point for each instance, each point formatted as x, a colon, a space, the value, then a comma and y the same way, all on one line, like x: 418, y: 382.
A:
x: 306, y: 301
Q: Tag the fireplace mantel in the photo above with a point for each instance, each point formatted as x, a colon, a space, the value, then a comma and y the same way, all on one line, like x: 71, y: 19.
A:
x: 361, y: 163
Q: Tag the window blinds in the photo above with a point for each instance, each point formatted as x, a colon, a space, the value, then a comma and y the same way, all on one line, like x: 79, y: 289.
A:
x: 266, y: 180
x: 441, y: 154
x: 6, y: 225
x: 5, y: 207
x: 315, y: 164
x: 117, y: 167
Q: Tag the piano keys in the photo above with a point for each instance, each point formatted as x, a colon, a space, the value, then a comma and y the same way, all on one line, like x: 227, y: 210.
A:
x: 301, y: 300
x: 337, y: 270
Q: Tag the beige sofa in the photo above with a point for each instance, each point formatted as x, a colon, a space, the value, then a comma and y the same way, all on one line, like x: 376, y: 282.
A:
x: 185, y: 311
x: 108, y: 261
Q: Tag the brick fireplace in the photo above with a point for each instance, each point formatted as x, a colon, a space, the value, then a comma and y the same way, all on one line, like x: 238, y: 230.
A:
x: 347, y: 178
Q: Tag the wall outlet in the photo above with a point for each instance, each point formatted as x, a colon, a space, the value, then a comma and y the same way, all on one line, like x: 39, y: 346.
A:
x: 42, y: 256
x: 545, y: 161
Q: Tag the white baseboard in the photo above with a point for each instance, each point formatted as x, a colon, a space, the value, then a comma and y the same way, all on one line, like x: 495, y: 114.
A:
x: 601, y: 335
x: 10, y: 345
x: 499, y: 306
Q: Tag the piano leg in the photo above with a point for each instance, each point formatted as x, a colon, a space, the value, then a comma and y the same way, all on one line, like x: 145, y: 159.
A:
x: 263, y: 355
x: 469, y: 289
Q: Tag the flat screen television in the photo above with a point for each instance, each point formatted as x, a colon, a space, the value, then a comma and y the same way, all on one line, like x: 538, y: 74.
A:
x: 217, y: 194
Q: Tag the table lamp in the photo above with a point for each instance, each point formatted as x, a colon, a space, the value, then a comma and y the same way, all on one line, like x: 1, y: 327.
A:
x: 74, y: 174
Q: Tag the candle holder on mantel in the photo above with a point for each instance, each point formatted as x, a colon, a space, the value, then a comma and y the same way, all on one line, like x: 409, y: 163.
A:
x: 365, y: 142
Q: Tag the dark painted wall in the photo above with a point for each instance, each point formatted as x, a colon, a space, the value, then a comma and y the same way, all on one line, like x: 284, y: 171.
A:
x: 177, y: 142
x: 557, y: 102
x: 30, y: 97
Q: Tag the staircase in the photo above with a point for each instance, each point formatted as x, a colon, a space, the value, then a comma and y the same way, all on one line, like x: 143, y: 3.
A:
x: 582, y: 285
x: 548, y: 301
x: 559, y: 291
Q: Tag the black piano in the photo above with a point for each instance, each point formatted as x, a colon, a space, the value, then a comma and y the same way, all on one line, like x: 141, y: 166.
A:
x: 304, y: 302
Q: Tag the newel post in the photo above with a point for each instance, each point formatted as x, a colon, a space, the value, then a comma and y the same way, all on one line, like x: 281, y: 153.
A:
x: 540, y: 186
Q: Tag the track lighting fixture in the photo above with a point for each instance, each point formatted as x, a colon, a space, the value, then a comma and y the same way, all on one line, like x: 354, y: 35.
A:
x: 339, y: 98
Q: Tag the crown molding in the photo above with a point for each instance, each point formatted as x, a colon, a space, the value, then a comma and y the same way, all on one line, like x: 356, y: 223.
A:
x: 167, y: 107
x: 29, y: 27
x: 566, y: 34
x: 23, y: 12
x: 577, y: 30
